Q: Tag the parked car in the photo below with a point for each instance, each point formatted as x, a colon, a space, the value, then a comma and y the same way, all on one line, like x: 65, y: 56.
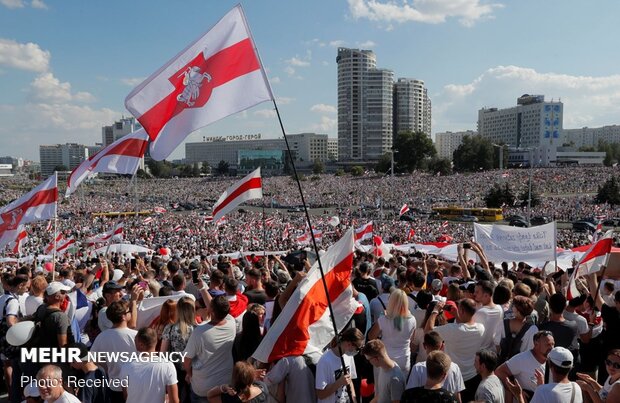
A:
x: 584, y: 226
x: 468, y: 218
x: 515, y: 217
x: 406, y: 217
x: 540, y: 220
x: 518, y: 222
x: 610, y: 222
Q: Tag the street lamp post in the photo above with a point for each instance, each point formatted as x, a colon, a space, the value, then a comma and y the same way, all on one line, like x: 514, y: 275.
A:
x: 529, y: 193
x: 392, y: 161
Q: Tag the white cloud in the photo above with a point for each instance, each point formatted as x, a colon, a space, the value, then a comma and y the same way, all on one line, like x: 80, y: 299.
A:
x: 39, y: 4
x: 468, y: 12
x: 591, y: 101
x: 289, y: 70
x: 275, y: 80
x: 327, y: 124
x: 366, y: 45
x: 285, y: 100
x: 337, y: 43
x: 47, y: 88
x: 12, y: 3
x: 265, y: 113
x: 24, y: 56
x: 132, y: 82
x: 295, y: 61
x: 323, y: 108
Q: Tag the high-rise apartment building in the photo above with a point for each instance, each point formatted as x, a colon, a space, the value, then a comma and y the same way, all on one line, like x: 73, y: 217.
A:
x: 120, y: 128
x: 446, y: 143
x: 412, y: 106
x: 69, y: 155
x: 365, y: 100
x: 591, y: 136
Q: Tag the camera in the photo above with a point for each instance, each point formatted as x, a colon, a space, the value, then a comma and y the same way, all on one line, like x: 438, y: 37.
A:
x: 466, y: 245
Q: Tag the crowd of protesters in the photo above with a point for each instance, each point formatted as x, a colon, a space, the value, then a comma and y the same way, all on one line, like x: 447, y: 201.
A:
x: 426, y: 329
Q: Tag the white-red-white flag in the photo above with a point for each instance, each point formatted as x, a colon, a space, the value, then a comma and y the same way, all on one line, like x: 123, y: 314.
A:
x: 363, y: 232
x: 381, y: 250
x: 50, y: 246
x: 208, y: 218
x: 304, y: 325
x: 334, y: 221
x: 304, y: 238
x: 22, y: 238
x: 115, y: 233
x: 410, y: 234
x: 178, y: 228
x: 216, y: 76
x: 404, y: 209
x: 444, y: 224
x: 159, y: 210
x: 63, y: 246
x: 248, y: 188
x: 148, y: 220
x: 269, y: 221
x: 121, y: 157
x: 38, y: 204
x: 285, y: 233
x: 590, y: 262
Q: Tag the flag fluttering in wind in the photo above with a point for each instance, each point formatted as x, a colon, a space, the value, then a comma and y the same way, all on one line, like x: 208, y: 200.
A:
x: 216, y: 76
x: 121, y: 157
x: 410, y: 234
x: 363, y: 232
x: 159, y: 210
x: 50, y: 246
x: 304, y: 325
x: 38, y: 204
x: 334, y: 221
x: 381, y: 250
x: 590, y: 262
x: 114, y: 234
x: 248, y: 188
x: 148, y: 220
x: 403, y: 210
x: 22, y: 238
x: 63, y: 246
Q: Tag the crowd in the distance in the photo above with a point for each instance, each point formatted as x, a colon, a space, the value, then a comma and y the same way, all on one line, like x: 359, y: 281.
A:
x: 426, y: 330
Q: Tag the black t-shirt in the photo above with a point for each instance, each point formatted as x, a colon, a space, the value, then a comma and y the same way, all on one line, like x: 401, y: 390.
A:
x: 423, y: 395
x: 256, y: 296
x: 611, y: 318
x: 95, y: 394
x: 54, y: 322
x: 565, y: 334
x: 367, y: 286
x: 261, y: 398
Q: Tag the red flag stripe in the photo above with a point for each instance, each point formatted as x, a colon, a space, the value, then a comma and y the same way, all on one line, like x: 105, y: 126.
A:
x: 601, y: 248
x: 294, y: 339
x: 252, y: 183
x: 224, y: 66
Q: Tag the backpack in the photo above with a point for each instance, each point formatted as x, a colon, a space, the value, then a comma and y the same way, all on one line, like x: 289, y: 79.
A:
x: 510, y: 345
x: 7, y: 349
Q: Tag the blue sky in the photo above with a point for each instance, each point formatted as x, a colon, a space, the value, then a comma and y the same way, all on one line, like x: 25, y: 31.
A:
x: 66, y: 66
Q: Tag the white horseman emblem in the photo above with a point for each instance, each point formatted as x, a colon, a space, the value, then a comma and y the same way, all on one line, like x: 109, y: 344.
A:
x: 192, y: 80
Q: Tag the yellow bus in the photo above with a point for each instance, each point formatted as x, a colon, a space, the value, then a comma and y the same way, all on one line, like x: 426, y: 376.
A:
x: 122, y: 213
x: 458, y: 213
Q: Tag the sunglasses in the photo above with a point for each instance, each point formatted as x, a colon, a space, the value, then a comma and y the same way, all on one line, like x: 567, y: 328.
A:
x: 614, y: 365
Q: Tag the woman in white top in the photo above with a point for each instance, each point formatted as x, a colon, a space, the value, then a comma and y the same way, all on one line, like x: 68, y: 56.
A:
x: 396, y: 329
x: 610, y: 391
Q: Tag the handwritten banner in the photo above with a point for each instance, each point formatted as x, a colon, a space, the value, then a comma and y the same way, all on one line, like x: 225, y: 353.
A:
x: 502, y: 243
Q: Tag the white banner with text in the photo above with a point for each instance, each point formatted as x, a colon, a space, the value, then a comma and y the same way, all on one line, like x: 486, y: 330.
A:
x: 503, y: 243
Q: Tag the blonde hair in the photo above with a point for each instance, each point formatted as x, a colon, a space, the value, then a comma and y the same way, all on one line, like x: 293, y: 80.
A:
x: 186, y: 315
x: 398, y: 308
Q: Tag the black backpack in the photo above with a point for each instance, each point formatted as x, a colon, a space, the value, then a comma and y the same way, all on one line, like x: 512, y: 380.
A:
x: 8, y: 350
x: 510, y: 345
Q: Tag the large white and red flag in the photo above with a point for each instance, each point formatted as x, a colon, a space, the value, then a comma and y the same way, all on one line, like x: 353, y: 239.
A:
x: 22, y: 238
x: 363, y: 232
x: 50, y: 246
x: 381, y: 249
x: 38, y: 204
x: 121, y: 157
x: 590, y: 262
x: 248, y: 188
x: 63, y: 246
x: 115, y: 233
x: 403, y: 210
x: 216, y: 76
x: 304, y: 325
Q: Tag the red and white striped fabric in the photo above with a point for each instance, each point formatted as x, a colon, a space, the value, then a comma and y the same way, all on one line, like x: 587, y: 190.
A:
x: 177, y: 228
x: 363, y: 232
x: 248, y: 188
x: 121, y: 157
x: 403, y: 209
x: 304, y: 325
x: 269, y: 221
x: 334, y: 221
x: 304, y: 238
x: 64, y: 245
x: 590, y: 262
x: 444, y: 224
x: 148, y: 220
x: 216, y: 76
x: 115, y: 233
x: 285, y: 233
x: 208, y: 218
x: 50, y: 246
x: 159, y: 210
x: 22, y: 238
x: 38, y: 204
x: 221, y: 221
x: 410, y: 234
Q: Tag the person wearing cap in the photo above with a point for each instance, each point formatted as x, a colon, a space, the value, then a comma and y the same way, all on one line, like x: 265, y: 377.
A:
x: 528, y: 368
x: 436, y: 286
x: 462, y: 338
x: 112, y: 292
x: 92, y: 373
x: 560, y: 389
x: 31, y: 393
x: 53, y: 320
x: 489, y: 315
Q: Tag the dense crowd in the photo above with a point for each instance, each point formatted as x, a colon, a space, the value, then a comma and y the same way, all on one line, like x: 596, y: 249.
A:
x: 425, y: 329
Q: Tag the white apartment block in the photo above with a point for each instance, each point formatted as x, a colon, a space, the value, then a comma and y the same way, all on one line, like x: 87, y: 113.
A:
x: 332, y: 149
x: 120, y: 128
x: 70, y: 155
x: 447, y: 142
x: 309, y: 147
x: 412, y: 106
x: 591, y: 136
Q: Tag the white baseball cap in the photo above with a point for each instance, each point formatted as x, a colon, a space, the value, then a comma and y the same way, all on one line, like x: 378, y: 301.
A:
x: 561, y: 357
x: 55, y: 287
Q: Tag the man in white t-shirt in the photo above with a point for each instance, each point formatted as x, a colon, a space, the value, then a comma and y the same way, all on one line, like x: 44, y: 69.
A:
x: 560, y: 390
x: 149, y: 382
x: 331, y: 382
x: 461, y: 339
x: 489, y: 315
x: 209, y: 360
x: 49, y: 381
x: 297, y: 377
x: 454, y: 379
x: 119, y: 338
x: 528, y: 367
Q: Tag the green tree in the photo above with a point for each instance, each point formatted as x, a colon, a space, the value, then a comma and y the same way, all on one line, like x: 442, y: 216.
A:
x: 526, y: 194
x: 413, y: 151
x: 60, y: 168
x: 141, y: 173
x: 384, y: 164
x: 609, y: 192
x: 318, y: 167
x: 474, y: 154
x: 222, y: 168
x: 160, y: 169
x: 443, y: 166
x: 357, y: 170
x: 205, y: 169
x: 339, y: 172
x: 499, y: 196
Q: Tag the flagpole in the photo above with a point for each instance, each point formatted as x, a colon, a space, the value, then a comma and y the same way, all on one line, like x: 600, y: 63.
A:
x: 55, y: 244
x: 264, y: 230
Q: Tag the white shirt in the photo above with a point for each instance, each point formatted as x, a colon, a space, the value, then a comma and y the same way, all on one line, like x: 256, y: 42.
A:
x: 557, y: 393
x: 66, y: 397
x: 453, y: 382
x: 461, y: 343
x: 185, y: 294
x: 147, y: 382
x: 397, y: 341
x: 582, y: 323
x: 102, y: 320
x: 326, y: 369
x: 492, y: 320
x: 523, y: 366
x: 115, y: 340
x: 31, y: 304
